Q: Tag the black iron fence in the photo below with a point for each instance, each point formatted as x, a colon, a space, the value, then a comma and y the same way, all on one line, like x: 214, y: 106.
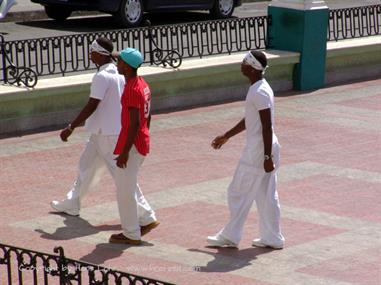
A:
x: 354, y: 22
x: 166, y: 45
x: 22, y: 266
x: 68, y: 54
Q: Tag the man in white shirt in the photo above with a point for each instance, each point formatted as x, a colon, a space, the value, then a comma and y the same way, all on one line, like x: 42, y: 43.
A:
x: 102, y: 114
x: 255, y: 178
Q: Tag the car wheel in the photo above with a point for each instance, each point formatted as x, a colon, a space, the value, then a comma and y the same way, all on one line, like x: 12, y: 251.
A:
x: 58, y: 13
x: 130, y: 13
x: 222, y: 9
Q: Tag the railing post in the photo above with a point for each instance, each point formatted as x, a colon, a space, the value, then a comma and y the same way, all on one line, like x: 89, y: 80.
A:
x: 159, y: 56
x: 301, y: 26
x: 62, y: 265
x: 18, y: 75
x: 3, y: 58
x: 150, y: 40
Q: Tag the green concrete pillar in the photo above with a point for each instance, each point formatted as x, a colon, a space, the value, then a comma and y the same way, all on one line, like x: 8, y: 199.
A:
x: 301, y: 26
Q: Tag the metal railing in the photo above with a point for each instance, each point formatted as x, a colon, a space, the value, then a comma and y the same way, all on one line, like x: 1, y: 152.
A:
x: 354, y: 22
x: 166, y: 45
x: 23, y: 266
x: 69, y: 54
x: 14, y: 74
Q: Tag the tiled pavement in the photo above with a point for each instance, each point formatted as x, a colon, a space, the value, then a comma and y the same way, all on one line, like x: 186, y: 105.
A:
x: 330, y: 191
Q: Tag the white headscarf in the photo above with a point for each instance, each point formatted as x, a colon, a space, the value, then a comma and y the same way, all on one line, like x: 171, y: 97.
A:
x: 95, y: 47
x: 254, y: 63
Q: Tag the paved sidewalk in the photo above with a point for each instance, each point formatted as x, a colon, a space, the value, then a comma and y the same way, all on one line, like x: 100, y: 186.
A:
x: 329, y: 187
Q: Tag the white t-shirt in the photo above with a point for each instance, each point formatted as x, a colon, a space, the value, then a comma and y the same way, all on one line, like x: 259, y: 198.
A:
x: 107, y: 86
x: 259, y: 97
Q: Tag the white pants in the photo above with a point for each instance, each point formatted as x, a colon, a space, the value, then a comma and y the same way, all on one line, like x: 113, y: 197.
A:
x: 133, y: 207
x: 246, y: 188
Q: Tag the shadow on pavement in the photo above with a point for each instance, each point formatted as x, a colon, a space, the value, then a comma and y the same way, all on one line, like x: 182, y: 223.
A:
x: 75, y: 227
x: 230, y: 259
x: 105, y: 251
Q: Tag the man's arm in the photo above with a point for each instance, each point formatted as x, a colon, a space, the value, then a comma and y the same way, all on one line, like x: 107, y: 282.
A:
x: 86, y: 112
x: 221, y: 140
x: 149, y: 121
x: 267, y: 135
x: 121, y: 160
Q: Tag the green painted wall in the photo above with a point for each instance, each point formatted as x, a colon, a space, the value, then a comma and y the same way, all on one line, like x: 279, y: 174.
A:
x: 304, y: 32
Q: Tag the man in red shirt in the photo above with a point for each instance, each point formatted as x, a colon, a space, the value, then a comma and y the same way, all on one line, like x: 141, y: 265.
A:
x: 131, y: 149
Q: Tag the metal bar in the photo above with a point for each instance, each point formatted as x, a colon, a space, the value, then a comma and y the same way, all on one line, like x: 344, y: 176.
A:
x: 3, y: 57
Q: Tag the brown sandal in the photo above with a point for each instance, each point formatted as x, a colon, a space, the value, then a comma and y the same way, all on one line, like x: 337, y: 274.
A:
x: 147, y: 228
x: 121, y: 238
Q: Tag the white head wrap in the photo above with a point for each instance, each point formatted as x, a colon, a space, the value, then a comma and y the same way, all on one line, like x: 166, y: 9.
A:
x: 95, y: 47
x: 254, y: 63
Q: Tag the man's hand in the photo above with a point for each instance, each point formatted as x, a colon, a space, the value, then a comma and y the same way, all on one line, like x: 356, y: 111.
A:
x: 269, y: 165
x: 219, y: 141
x: 65, y: 133
x: 121, y: 160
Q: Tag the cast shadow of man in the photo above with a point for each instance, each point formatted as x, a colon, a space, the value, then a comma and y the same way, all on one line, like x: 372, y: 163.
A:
x: 76, y: 227
x: 230, y: 259
x: 106, y: 251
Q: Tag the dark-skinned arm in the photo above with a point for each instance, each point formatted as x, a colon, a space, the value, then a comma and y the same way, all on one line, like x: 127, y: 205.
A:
x: 221, y: 140
x: 85, y: 113
x: 122, y: 159
x: 149, y: 121
x: 267, y: 135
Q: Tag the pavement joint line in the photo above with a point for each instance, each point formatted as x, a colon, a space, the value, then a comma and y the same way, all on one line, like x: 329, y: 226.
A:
x: 285, y: 108
x: 212, y: 192
x: 366, y: 235
x: 344, y: 111
x: 264, y: 270
x: 334, y: 96
x: 354, y: 124
x: 165, y: 124
x: 305, y: 169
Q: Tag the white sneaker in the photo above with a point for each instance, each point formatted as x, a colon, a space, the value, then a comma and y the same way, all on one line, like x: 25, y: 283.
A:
x: 220, y: 241
x: 259, y: 243
x: 65, y: 206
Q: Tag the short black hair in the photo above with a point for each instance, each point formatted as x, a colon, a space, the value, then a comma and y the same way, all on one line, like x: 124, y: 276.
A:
x: 260, y: 56
x: 106, y: 44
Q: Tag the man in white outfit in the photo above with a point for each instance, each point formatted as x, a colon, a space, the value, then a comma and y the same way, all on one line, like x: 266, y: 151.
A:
x: 102, y: 114
x: 255, y: 178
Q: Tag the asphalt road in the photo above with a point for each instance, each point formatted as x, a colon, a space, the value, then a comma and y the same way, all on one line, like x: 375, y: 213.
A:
x: 46, y: 27
x: 27, y: 29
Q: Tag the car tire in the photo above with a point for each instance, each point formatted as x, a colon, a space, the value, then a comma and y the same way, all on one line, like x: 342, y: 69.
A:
x: 130, y: 13
x: 58, y: 13
x: 222, y: 9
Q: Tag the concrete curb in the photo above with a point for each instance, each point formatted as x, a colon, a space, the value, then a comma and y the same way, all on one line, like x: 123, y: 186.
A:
x: 197, y: 82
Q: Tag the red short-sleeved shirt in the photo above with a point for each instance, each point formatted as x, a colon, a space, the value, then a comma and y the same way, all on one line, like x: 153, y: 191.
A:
x: 136, y: 94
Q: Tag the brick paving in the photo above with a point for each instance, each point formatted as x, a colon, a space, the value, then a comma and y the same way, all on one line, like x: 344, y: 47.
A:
x: 329, y: 186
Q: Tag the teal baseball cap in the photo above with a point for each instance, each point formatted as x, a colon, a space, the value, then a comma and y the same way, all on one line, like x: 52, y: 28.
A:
x: 131, y: 56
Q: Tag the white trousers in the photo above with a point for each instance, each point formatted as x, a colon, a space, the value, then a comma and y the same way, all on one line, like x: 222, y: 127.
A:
x: 134, y: 210
x: 246, y: 188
